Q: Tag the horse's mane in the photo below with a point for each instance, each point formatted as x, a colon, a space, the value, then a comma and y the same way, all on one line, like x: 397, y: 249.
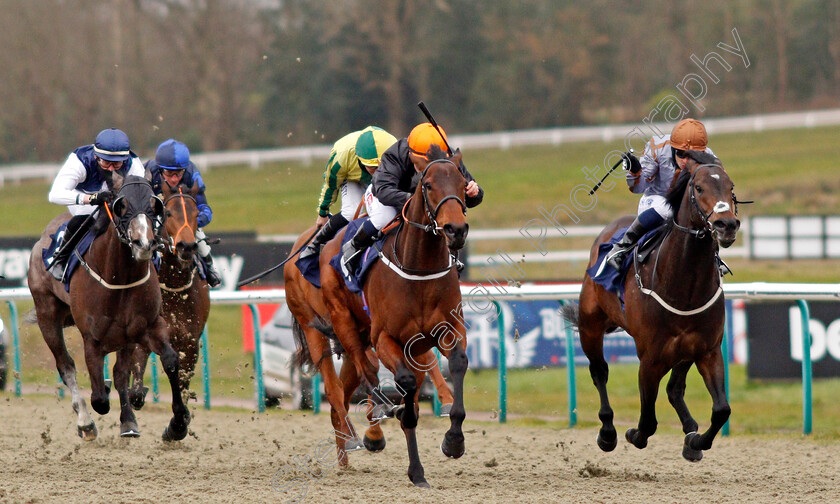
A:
x: 675, y: 195
x: 436, y: 153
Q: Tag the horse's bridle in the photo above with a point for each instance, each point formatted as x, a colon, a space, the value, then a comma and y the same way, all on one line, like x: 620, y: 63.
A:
x: 432, y: 227
x: 121, y: 225
x: 183, y: 196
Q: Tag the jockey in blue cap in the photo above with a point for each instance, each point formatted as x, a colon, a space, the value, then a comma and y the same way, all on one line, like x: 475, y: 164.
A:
x: 172, y: 166
x: 84, y: 183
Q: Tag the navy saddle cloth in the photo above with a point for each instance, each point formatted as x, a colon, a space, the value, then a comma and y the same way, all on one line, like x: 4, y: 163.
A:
x: 310, y: 266
x: 73, y: 261
x: 613, y: 280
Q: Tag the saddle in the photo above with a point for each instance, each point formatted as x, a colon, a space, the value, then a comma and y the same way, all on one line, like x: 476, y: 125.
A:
x: 612, y: 280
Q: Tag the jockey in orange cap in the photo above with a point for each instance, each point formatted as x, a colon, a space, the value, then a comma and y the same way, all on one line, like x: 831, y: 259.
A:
x: 394, y: 183
x: 662, y: 160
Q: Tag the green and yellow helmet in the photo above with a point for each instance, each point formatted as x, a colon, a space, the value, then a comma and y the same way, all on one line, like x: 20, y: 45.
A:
x: 372, y: 143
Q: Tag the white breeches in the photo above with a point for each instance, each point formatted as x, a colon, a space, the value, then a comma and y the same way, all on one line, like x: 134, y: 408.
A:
x: 351, y: 196
x: 658, y: 203
x: 380, y: 215
x: 203, y: 248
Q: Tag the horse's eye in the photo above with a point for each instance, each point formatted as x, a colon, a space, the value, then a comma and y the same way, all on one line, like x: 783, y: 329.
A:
x: 427, y: 185
x: 699, y: 189
x: 168, y: 214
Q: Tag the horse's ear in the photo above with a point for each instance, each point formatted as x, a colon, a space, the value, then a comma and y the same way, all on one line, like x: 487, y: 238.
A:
x: 119, y: 206
x: 165, y: 189
x: 420, y: 162
x: 116, y: 181
x: 157, y: 205
x: 194, y: 190
x: 147, y: 174
x: 456, y: 157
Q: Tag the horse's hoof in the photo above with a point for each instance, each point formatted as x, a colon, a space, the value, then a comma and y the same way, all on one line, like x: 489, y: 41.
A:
x: 353, y: 445
x: 171, y: 434
x: 137, y: 399
x: 101, y: 406
x: 382, y: 411
x: 374, y: 445
x: 445, y: 409
x: 690, y: 453
x: 634, y: 437
x: 87, y: 432
x: 398, y: 412
x: 421, y: 482
x: 455, y: 452
x: 129, y: 430
x: 607, y: 441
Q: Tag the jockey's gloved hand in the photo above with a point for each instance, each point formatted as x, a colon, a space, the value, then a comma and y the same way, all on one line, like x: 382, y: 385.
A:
x: 630, y: 162
x: 101, y: 198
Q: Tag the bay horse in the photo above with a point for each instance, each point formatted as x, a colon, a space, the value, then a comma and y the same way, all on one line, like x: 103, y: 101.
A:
x: 114, y: 302
x: 673, y: 307
x: 414, y: 297
x: 185, y: 295
x: 313, y: 332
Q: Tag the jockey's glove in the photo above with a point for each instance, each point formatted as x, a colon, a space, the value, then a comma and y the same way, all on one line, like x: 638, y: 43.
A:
x: 101, y: 198
x: 630, y: 162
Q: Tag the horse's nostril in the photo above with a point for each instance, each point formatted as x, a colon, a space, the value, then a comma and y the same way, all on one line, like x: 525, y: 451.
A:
x: 449, y: 229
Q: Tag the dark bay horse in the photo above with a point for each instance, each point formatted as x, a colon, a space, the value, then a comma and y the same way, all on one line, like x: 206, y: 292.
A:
x: 114, y: 301
x: 414, y: 297
x: 312, y: 331
x: 186, y: 296
x: 674, y: 308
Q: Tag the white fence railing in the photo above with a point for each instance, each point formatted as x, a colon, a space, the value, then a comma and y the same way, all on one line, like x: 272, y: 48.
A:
x: 500, y: 140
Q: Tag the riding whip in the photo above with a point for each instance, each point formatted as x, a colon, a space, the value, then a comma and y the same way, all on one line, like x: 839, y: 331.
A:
x: 435, y: 124
x: 592, y: 191
x: 273, y: 268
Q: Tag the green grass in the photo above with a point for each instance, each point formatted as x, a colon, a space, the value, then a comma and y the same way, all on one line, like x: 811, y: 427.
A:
x: 535, y: 396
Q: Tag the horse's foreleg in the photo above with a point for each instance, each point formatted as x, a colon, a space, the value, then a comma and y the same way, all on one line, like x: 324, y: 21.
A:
x: 122, y: 370
x: 138, y: 391
x: 188, y: 357
x: 711, y: 369
x: 676, y: 396
x: 453, y: 440
x: 391, y: 354
x: 53, y: 335
x: 158, y: 339
x: 650, y: 374
x: 592, y: 342
x: 95, y: 360
x: 444, y: 394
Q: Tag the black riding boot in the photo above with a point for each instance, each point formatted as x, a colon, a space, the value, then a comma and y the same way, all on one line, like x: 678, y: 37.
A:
x: 76, y: 228
x: 324, y: 235
x: 615, y: 257
x: 213, y: 279
x: 352, y: 250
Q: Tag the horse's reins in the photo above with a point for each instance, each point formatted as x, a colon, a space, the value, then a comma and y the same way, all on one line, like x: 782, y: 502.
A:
x: 432, y: 227
x: 697, y: 233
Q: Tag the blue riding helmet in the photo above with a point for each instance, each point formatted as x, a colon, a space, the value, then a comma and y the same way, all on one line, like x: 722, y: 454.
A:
x: 172, y: 155
x: 112, y: 145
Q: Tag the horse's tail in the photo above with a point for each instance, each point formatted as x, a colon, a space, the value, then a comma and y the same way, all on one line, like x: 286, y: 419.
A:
x: 31, y: 317
x: 302, y: 359
x: 571, y: 312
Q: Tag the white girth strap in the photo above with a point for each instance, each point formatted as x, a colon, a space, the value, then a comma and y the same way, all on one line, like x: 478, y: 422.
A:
x: 407, y: 276
x: 681, y: 312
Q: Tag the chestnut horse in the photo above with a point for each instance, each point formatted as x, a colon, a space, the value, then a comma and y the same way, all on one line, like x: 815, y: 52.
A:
x: 114, y: 302
x: 414, y: 297
x: 312, y: 334
x: 186, y: 296
x: 673, y: 307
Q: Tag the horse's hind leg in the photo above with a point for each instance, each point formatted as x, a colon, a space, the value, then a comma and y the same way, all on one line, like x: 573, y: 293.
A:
x: 391, y: 354
x: 711, y: 369
x: 374, y: 438
x: 591, y: 327
x: 138, y: 391
x: 49, y: 320
x: 676, y: 396
x: 650, y: 374
x: 122, y: 370
x: 444, y: 394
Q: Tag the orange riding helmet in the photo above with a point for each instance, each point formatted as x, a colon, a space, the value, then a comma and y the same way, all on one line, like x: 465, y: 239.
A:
x: 689, y: 134
x: 423, y: 136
